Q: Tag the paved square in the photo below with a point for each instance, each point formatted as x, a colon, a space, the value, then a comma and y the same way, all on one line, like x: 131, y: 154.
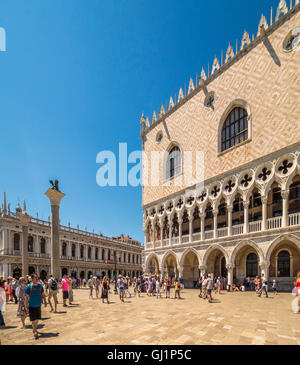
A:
x: 233, y: 319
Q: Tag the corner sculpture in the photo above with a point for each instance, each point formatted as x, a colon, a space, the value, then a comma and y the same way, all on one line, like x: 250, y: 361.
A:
x: 54, y: 185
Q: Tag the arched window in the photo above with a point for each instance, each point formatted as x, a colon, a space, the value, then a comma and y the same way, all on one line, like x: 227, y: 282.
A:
x: 108, y: 255
x: 30, y: 244
x: 16, y: 241
x: 96, y: 253
x: 89, y: 252
x: 129, y: 258
x: 43, y: 245
x: 235, y: 128
x: 81, y: 251
x: 124, y: 256
x: 64, y: 249
x: 283, y: 264
x: 73, y: 250
x: 103, y: 254
x: 251, y: 265
x: 173, y: 163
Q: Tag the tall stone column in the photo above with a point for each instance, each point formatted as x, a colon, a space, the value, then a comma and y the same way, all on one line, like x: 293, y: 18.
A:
x: 25, y: 219
x: 55, y: 197
x: 285, y: 207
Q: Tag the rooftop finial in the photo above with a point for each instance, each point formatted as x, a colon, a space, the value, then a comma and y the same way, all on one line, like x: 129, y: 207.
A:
x: 24, y: 207
x: 282, y: 9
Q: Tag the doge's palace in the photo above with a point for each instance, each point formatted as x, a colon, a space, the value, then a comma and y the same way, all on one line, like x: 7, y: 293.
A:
x: 243, y: 115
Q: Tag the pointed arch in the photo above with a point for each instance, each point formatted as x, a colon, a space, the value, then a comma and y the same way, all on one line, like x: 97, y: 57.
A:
x: 242, y: 244
x: 213, y: 247
x: 149, y: 259
x: 286, y: 237
x: 166, y: 255
x: 186, y: 252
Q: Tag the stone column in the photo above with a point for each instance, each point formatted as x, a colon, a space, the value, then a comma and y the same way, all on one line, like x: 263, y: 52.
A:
x: 191, y: 218
x: 161, y: 232
x: 153, y: 233
x: 69, y: 249
x: 5, y: 240
x: 229, y: 223
x: 215, y: 213
x: 230, y: 268
x: 180, y: 230
x: 285, y: 207
x: 25, y: 219
x: 180, y: 271
x: 203, y: 269
x: 55, y: 197
x: 264, y: 268
x: 6, y: 270
x: 246, y: 215
x: 202, y: 227
x: 264, y: 200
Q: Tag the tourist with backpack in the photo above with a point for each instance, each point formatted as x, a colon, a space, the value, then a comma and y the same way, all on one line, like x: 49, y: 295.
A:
x: 33, y: 302
x: 52, y: 293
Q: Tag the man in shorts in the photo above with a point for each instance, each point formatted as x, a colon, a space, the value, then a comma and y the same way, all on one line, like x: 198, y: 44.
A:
x: 121, y: 288
x: 33, y: 302
x: 65, y: 289
x: 209, y: 286
x: 52, y: 293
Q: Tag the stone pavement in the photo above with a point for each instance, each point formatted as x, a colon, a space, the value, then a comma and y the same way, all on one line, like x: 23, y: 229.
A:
x: 233, y: 319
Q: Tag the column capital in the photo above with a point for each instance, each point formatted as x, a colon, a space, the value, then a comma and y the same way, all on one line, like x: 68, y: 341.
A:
x: 264, y: 199
x: 215, y: 212
x: 229, y: 208
x: 285, y: 194
x: 202, y: 267
x: 230, y: 266
x: 54, y: 196
x: 246, y: 203
x: 264, y: 264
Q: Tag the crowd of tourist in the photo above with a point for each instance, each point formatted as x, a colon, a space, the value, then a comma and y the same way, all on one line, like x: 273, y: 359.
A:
x: 30, y: 293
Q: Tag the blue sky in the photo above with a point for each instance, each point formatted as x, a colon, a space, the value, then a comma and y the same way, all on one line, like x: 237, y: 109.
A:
x: 77, y: 75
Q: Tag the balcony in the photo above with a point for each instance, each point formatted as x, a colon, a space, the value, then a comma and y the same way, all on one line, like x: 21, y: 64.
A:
x: 271, y: 224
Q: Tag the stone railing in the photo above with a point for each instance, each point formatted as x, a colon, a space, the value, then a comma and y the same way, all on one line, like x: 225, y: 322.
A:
x: 273, y: 223
x: 238, y: 229
x: 222, y: 232
x: 209, y: 235
x: 39, y: 255
x: 196, y: 237
x: 294, y: 219
x: 254, y: 226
